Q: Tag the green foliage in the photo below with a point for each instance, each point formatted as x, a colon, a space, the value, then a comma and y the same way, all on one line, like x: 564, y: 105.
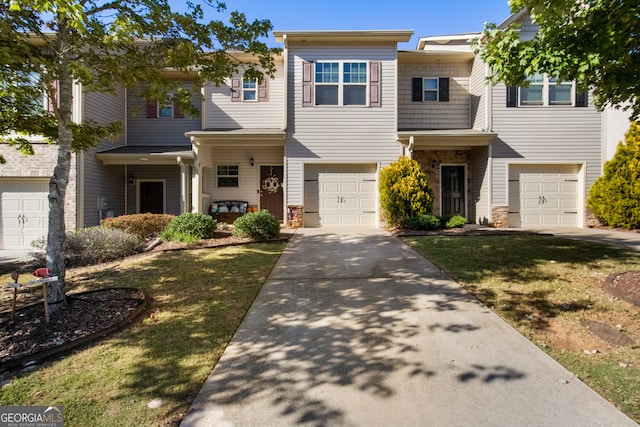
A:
x: 594, y: 43
x: 190, y: 227
x: 405, y: 191
x: 261, y: 225
x: 615, y: 197
x: 144, y: 226
x: 455, y: 221
x: 423, y: 222
x: 95, y: 245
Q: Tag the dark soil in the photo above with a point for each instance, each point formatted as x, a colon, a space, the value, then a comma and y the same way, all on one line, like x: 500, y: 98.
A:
x: 85, y: 314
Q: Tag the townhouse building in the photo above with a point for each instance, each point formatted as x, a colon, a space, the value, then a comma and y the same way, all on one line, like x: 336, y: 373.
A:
x: 309, y: 144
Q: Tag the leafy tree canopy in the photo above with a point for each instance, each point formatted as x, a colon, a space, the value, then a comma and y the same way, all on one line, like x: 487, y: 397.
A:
x: 48, y: 45
x: 595, y: 42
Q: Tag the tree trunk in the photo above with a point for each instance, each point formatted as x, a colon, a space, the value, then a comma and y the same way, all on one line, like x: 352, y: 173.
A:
x: 58, y: 185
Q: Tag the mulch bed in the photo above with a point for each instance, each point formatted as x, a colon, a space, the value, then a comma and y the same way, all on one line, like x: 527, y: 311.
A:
x: 87, y: 314
x: 624, y: 285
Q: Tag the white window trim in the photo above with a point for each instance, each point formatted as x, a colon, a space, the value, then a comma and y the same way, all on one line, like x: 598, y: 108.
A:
x: 341, y: 84
x: 168, y: 104
x: 246, y: 90
x: 546, y: 84
x: 227, y: 176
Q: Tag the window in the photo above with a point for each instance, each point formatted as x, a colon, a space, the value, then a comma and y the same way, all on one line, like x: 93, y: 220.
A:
x: 341, y: 83
x: 227, y: 176
x: 545, y: 91
x: 249, y: 89
x: 164, y: 109
x: 430, y: 89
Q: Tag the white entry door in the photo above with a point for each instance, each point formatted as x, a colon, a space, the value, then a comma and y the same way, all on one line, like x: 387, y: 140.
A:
x: 25, y: 211
x: 340, y: 196
x: 543, y: 195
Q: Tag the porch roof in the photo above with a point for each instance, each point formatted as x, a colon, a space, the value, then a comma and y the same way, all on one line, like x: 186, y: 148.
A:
x: 444, y: 139
x: 145, y: 155
x: 263, y: 137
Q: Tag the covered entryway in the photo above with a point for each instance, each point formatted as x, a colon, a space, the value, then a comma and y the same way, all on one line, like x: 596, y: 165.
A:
x: 340, y: 195
x: 151, y: 197
x: 543, y: 195
x: 25, y: 212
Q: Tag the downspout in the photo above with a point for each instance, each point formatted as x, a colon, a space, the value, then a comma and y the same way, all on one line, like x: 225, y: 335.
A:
x: 410, y: 147
x: 489, y: 124
x: 78, y: 116
x: 183, y: 185
x: 126, y: 140
x: 285, y: 123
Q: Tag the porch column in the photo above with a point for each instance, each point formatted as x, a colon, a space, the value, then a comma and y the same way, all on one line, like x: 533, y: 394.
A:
x: 196, y: 188
x: 185, y: 184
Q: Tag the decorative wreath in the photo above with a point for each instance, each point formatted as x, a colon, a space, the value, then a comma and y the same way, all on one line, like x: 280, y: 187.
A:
x: 271, y: 184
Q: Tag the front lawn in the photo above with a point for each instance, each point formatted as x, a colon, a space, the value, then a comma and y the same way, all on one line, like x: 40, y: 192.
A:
x: 199, y: 298
x: 546, y: 287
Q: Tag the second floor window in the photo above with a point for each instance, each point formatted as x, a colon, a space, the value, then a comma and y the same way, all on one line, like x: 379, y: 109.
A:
x: 341, y: 83
x: 543, y: 90
x: 249, y: 89
x: 430, y: 89
x: 164, y: 109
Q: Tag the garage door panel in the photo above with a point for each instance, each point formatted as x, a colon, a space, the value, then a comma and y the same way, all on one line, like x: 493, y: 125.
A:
x: 346, y: 195
x: 24, y: 209
x: 543, y: 195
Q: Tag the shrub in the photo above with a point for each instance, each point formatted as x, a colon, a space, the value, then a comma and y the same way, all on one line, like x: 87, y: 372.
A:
x: 145, y: 226
x: 261, y: 225
x: 615, y: 197
x: 190, y: 227
x: 94, y: 245
x: 455, y: 221
x: 422, y: 222
x: 405, y: 191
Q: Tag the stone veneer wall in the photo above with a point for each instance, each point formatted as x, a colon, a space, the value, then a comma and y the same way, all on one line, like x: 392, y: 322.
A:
x: 447, y: 157
x: 41, y: 165
x: 500, y: 216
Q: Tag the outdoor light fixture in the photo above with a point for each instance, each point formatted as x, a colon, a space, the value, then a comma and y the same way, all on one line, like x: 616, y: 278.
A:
x: 433, y: 164
x: 251, y: 162
x: 132, y: 181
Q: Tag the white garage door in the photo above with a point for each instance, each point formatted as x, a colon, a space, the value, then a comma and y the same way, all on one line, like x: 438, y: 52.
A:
x: 25, y: 211
x: 340, y: 196
x: 543, y: 195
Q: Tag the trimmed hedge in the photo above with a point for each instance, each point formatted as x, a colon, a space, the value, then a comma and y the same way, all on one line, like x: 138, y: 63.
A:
x: 190, y: 227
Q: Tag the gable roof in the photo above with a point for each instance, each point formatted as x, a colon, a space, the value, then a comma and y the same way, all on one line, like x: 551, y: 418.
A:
x: 312, y: 37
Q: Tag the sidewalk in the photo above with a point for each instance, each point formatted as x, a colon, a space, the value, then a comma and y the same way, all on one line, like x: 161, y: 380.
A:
x: 353, y: 328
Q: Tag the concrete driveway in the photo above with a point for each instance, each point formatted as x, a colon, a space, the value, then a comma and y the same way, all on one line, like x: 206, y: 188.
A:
x: 354, y: 328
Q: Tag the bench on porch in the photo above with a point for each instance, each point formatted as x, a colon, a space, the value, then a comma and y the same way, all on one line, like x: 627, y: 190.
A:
x: 228, y: 211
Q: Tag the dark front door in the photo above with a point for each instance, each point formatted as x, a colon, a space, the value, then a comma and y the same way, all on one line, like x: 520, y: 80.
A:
x: 453, y: 190
x: 152, y: 197
x: 271, y: 194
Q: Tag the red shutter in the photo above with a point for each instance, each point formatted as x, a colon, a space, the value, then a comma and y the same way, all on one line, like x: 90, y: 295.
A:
x: 374, y: 85
x: 263, y: 90
x: 307, y: 84
x: 177, y: 112
x: 152, y: 110
x: 235, y: 89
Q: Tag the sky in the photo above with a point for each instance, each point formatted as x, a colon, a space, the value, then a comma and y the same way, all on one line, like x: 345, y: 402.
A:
x: 424, y: 17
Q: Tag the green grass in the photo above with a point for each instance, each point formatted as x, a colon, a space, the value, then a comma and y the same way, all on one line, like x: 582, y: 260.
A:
x: 199, y: 298
x: 545, y: 286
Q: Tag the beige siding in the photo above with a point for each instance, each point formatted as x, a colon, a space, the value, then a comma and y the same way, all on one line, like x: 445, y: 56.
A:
x: 221, y: 113
x: 454, y: 114
x: 478, y: 92
x: 100, y: 180
x: 479, y: 210
x: 559, y: 134
x: 159, y: 131
x: 327, y: 134
x: 249, y: 176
